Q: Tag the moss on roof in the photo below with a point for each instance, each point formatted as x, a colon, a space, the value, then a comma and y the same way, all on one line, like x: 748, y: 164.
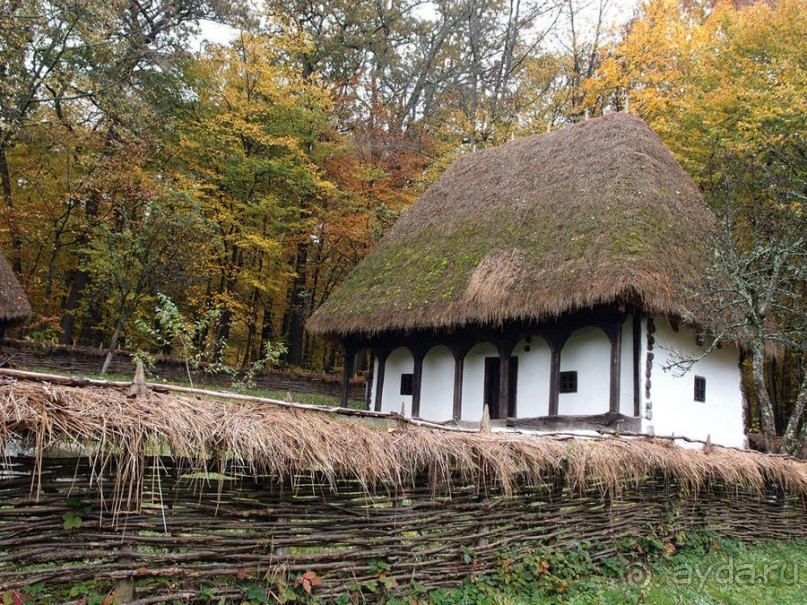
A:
x: 595, y: 213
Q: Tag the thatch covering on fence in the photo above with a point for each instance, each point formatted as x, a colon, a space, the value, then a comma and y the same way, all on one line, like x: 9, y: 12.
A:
x: 14, y: 305
x: 595, y: 213
x: 285, y: 443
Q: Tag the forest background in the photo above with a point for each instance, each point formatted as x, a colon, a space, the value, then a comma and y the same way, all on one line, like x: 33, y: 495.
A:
x: 161, y: 191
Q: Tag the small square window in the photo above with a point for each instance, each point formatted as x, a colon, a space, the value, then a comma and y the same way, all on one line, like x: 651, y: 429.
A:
x: 407, y: 384
x: 568, y: 382
x: 700, y: 388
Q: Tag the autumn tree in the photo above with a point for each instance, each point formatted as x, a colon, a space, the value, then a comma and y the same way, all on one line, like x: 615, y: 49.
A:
x: 149, y: 247
x: 250, y: 140
x: 51, y: 52
x: 724, y: 86
x: 78, y: 84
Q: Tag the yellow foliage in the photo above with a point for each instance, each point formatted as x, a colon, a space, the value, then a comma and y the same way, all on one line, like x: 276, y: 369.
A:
x: 706, y: 74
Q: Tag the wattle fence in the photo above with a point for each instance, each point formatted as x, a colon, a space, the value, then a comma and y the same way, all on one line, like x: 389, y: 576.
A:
x: 153, y: 498
x: 238, y: 530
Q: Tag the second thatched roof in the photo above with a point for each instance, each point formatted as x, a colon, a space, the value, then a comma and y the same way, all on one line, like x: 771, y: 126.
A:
x: 14, y: 306
x: 593, y: 214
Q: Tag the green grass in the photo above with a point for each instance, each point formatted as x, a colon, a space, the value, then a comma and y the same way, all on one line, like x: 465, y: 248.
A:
x: 723, y: 573
x: 770, y: 572
x: 297, y: 397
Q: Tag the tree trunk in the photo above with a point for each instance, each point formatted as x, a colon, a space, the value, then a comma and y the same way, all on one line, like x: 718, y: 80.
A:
x: 81, y: 279
x: 68, y: 321
x: 791, y: 437
x: 222, y: 334
x: 112, y: 345
x: 801, y: 443
x: 229, y: 277
x: 765, y: 406
x: 5, y: 187
x: 89, y: 335
x: 295, y: 308
x: 252, y: 329
x: 267, y: 328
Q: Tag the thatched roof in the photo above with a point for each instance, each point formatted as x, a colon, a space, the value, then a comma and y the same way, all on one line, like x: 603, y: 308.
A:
x: 287, y: 442
x: 14, y: 305
x: 595, y: 213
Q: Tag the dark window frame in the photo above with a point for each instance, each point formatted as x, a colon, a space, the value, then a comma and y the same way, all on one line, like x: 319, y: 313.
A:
x: 700, y: 389
x: 407, y: 384
x: 568, y: 382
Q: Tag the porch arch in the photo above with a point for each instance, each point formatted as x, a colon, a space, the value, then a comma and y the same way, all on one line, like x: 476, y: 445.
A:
x: 588, y: 353
x: 398, y: 362
x: 534, y: 372
x: 473, y: 384
x: 437, y: 388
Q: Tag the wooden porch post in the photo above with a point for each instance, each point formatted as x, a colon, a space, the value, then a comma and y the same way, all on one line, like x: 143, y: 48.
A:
x: 556, y: 337
x: 505, y: 347
x: 347, y: 370
x: 637, y: 352
x: 381, y: 356
x: 417, y: 379
x: 554, y: 376
x: 614, y: 332
x: 504, y: 386
x: 459, y: 373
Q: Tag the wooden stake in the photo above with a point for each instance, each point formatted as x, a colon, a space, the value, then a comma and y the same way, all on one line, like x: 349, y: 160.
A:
x: 139, y: 385
x: 125, y: 587
x: 484, y: 424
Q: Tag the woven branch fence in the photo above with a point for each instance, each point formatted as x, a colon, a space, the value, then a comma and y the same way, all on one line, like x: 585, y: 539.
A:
x: 347, y: 500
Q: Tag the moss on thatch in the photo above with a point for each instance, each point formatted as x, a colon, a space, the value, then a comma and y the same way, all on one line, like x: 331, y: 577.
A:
x: 14, y: 306
x: 595, y: 213
x: 285, y: 443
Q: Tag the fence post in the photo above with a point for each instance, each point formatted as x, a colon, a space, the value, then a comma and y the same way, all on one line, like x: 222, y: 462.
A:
x: 125, y: 587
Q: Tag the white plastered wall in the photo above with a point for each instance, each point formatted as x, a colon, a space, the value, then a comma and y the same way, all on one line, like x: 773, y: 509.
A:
x: 532, y: 384
x: 587, y: 352
x: 437, y: 386
x: 674, y: 409
x: 473, y: 380
x: 400, y: 361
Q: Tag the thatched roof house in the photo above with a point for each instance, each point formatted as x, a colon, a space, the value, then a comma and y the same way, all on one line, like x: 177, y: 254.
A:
x: 594, y: 225
x: 14, y: 306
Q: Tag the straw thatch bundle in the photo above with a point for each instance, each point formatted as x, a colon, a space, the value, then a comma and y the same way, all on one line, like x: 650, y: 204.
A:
x: 595, y: 213
x: 286, y: 443
x: 14, y: 306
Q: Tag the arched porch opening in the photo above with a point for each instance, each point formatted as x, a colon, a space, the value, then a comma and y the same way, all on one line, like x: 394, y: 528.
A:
x: 394, y: 385
x: 478, y: 358
x: 437, y: 386
x: 534, y: 372
x: 585, y: 373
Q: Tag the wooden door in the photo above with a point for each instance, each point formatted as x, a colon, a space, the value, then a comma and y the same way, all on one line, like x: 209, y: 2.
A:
x: 493, y: 385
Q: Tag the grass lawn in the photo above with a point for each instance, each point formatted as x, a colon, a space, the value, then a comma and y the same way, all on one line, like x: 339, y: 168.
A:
x: 723, y: 573
x: 770, y: 572
x: 297, y: 397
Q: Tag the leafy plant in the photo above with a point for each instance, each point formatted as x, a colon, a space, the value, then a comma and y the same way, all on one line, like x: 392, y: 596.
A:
x: 71, y: 520
x: 177, y: 332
